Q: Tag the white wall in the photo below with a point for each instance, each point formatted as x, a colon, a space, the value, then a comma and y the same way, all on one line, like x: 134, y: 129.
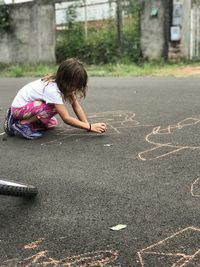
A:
x: 96, y: 10
x: 16, y: 1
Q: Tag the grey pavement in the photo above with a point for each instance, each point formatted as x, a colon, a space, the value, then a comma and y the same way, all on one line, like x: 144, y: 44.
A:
x: 144, y: 172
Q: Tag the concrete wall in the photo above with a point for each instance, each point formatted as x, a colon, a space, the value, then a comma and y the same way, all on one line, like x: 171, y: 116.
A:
x: 155, y: 29
x: 32, y: 38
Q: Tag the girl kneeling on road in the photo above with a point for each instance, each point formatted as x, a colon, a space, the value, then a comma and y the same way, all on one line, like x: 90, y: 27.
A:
x: 36, y: 104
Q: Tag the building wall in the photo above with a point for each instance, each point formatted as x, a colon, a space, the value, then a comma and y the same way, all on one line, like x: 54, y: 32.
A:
x: 32, y: 37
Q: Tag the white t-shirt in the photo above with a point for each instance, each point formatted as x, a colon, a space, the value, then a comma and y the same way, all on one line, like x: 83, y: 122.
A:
x: 38, y: 90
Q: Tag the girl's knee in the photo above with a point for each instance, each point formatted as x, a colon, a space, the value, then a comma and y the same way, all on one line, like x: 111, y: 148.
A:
x: 53, y: 122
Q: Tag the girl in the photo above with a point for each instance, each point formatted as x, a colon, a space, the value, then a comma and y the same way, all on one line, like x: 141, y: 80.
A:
x: 36, y: 104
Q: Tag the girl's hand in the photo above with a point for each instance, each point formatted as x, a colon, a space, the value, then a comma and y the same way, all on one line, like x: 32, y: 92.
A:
x: 98, y: 127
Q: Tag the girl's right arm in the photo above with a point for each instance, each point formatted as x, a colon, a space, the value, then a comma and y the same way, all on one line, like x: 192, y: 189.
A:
x: 64, y: 114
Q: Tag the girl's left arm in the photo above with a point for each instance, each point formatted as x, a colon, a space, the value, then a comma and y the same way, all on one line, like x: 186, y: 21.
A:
x: 79, y: 110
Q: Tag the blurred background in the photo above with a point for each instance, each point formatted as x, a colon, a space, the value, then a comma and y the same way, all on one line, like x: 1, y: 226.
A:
x: 99, y: 31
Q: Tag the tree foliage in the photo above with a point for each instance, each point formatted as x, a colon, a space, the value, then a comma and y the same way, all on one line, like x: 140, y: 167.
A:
x: 5, y: 17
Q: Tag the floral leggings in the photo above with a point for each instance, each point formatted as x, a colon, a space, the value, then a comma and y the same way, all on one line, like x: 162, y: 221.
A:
x: 44, y: 112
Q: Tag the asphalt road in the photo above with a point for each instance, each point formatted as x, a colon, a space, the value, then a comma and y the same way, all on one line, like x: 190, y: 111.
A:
x: 144, y: 172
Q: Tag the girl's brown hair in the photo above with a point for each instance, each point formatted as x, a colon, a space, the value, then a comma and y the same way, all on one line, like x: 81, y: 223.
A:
x: 71, y: 78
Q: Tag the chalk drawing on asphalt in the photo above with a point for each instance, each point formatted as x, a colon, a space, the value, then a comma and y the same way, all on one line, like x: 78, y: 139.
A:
x: 195, y: 188
x: 42, y: 258
x: 169, y: 140
x: 116, y: 121
x: 34, y: 244
x: 181, y: 249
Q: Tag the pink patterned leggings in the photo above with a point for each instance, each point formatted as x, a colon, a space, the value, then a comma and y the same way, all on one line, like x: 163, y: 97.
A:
x: 44, y: 112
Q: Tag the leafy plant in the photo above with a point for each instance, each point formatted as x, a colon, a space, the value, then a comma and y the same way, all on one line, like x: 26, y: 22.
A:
x: 5, y: 17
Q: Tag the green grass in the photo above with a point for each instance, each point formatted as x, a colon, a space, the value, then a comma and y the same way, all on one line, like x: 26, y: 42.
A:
x: 26, y: 70
x: 146, y: 69
x: 120, y: 69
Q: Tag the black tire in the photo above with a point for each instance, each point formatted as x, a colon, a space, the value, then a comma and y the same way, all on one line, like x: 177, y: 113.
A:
x: 12, y: 188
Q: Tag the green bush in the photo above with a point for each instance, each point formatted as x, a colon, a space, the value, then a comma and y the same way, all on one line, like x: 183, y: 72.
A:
x: 5, y: 17
x: 69, y: 43
x: 99, y: 47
